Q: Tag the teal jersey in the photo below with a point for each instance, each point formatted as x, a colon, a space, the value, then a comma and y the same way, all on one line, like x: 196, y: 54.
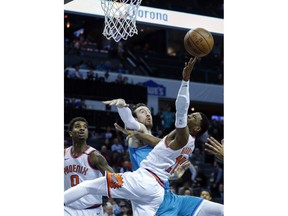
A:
x: 137, y: 154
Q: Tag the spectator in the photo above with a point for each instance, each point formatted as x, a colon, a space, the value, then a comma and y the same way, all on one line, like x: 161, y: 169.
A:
x: 116, y: 207
x: 126, y: 167
x: 188, y: 192
x: 216, y: 179
x: 106, y: 153
x: 186, y: 186
x: 108, y: 210
x: 201, y: 179
x: 206, y: 194
x: 107, y: 143
x: 117, y: 146
x: 108, y: 134
x: 221, y: 191
x: 124, y: 206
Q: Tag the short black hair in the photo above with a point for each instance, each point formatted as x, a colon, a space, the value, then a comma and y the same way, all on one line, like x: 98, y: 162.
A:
x: 71, y: 123
x: 135, y: 107
x: 207, y: 190
x: 204, y: 124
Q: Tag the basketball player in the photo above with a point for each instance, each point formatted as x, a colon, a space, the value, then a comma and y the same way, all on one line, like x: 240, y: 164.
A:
x: 139, y: 149
x: 144, y: 187
x: 82, y: 162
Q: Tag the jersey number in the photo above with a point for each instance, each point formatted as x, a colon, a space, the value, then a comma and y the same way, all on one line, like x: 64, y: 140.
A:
x: 74, y: 180
x: 178, y: 161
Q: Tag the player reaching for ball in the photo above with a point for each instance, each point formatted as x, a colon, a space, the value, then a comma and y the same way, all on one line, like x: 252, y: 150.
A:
x: 144, y: 187
x: 140, y: 144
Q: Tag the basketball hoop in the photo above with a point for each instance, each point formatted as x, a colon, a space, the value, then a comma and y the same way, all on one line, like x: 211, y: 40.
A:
x: 120, y: 18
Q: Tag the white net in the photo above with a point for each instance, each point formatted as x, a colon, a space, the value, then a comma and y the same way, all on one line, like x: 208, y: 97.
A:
x: 120, y: 18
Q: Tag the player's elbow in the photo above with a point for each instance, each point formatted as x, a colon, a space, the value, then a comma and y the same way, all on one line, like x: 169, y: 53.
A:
x: 132, y: 125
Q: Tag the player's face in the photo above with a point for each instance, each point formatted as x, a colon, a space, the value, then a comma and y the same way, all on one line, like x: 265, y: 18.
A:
x: 144, y: 116
x: 205, y: 195
x: 194, y: 122
x: 80, y: 130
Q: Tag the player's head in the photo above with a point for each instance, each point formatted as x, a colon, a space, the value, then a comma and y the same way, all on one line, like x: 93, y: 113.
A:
x: 143, y: 114
x: 198, y: 123
x: 78, y: 128
x: 206, y: 194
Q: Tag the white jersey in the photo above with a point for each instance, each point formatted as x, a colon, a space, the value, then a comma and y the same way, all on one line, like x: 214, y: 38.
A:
x: 78, y: 169
x: 162, y: 160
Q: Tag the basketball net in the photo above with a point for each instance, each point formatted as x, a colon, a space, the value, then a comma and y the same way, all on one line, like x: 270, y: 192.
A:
x: 120, y: 18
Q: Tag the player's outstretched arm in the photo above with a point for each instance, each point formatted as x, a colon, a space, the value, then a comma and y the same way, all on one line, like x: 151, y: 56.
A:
x: 182, y: 104
x: 98, y: 161
x: 147, y: 138
x: 188, y: 68
x: 125, y: 114
x: 215, y: 148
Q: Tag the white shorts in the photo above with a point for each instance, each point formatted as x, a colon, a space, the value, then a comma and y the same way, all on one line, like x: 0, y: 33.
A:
x: 84, y: 212
x: 143, y: 188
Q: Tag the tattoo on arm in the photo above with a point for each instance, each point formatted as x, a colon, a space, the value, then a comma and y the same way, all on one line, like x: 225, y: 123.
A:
x: 98, y: 161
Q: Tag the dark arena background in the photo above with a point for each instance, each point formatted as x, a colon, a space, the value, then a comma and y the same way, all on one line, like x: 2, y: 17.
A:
x: 145, y: 68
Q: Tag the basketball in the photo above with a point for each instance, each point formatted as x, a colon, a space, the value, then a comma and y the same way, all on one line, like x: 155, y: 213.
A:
x: 198, y: 42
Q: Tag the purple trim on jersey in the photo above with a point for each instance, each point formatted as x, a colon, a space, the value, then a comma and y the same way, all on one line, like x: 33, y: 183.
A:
x: 94, y: 206
x: 166, y: 144
x: 107, y: 182
x: 156, y: 177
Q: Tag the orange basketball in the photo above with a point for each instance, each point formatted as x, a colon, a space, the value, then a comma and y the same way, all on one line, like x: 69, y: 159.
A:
x: 198, y: 42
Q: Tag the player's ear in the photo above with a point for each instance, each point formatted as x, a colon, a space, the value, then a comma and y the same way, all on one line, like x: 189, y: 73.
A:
x: 70, y: 133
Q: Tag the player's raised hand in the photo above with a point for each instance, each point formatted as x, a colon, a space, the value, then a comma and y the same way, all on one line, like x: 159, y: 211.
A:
x: 117, y: 102
x: 188, y: 68
x: 129, y: 133
x: 180, y: 169
x: 215, y: 148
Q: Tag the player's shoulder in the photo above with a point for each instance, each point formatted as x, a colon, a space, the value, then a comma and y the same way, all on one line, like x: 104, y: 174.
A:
x: 143, y: 128
x: 95, y: 155
x: 90, y: 150
x: 66, y: 150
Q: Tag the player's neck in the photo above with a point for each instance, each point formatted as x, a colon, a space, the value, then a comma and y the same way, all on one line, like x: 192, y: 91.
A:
x: 79, y: 147
x: 149, y: 129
